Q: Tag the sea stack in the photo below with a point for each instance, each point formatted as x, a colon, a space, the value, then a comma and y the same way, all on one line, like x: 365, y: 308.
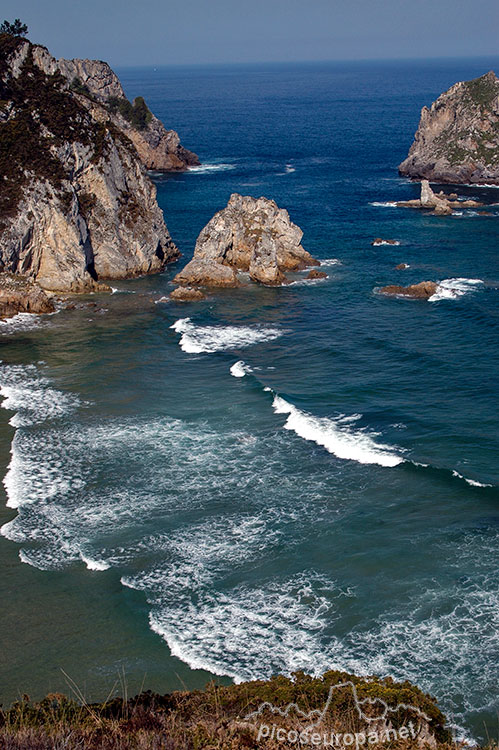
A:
x: 457, y: 140
x: 249, y: 234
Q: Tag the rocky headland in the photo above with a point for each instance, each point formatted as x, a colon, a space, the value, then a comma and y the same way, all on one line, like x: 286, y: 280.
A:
x: 250, y: 235
x: 76, y: 205
x: 457, y: 140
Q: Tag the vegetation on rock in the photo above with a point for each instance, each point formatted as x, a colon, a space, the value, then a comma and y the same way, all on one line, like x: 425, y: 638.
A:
x: 217, y: 716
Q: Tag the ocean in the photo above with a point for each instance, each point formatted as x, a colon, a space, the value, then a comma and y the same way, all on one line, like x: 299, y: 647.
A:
x: 273, y: 479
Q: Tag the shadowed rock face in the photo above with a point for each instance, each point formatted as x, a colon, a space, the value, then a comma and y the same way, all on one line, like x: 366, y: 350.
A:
x: 423, y: 290
x: 458, y: 137
x: 252, y: 235
x: 76, y: 204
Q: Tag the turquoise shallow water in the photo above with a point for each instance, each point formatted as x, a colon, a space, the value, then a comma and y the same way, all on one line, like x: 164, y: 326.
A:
x: 334, y: 507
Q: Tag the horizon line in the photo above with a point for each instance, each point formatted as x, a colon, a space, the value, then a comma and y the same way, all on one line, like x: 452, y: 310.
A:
x: 260, y: 63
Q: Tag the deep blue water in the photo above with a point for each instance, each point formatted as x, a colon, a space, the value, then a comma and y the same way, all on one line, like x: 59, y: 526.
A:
x: 336, y: 507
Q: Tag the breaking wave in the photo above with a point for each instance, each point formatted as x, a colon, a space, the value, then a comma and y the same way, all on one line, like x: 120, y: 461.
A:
x: 207, y: 339
x: 240, y: 369
x: 337, y: 437
x: 454, y: 288
x: 213, y: 167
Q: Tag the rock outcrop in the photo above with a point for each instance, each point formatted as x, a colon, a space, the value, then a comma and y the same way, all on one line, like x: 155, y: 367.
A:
x: 441, y: 204
x: 187, y: 294
x: 315, y: 274
x: 252, y: 235
x: 19, y: 294
x: 423, y: 290
x: 458, y: 137
x: 76, y: 204
x: 158, y: 148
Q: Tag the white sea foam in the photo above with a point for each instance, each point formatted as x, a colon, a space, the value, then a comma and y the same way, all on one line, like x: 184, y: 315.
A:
x: 246, y: 632
x: 94, y: 564
x: 454, y: 288
x: 445, y: 633
x: 336, y: 437
x: 330, y: 262
x: 21, y: 322
x: 200, y: 339
x: 215, y: 167
x: 240, y: 369
x: 308, y: 282
x: 290, y: 168
x: 385, y: 242
x: 472, y: 482
x: 483, y: 185
x: 31, y: 397
x: 384, y: 204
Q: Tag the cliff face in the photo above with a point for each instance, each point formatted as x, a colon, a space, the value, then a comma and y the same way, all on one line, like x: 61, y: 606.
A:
x: 458, y: 137
x: 158, y: 148
x: 249, y: 234
x: 76, y: 204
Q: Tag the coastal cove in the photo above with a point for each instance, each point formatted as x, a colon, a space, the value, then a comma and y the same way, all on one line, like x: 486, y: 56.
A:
x: 269, y: 479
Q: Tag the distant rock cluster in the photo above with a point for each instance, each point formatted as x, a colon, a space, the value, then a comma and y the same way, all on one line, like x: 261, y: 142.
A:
x: 441, y: 204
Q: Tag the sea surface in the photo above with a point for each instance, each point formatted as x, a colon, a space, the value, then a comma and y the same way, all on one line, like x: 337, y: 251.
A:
x: 302, y: 478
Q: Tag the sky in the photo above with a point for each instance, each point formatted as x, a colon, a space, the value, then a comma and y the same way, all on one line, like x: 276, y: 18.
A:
x: 179, y: 32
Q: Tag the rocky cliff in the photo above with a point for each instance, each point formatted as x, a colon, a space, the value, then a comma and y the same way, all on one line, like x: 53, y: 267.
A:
x: 159, y: 149
x: 458, y: 137
x: 249, y: 234
x: 76, y: 204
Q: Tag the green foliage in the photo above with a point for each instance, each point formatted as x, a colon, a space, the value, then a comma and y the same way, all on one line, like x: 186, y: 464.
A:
x: 212, y: 718
x: 137, y: 114
x: 44, y: 116
x: 15, y: 29
x: 78, y: 87
x: 483, y: 90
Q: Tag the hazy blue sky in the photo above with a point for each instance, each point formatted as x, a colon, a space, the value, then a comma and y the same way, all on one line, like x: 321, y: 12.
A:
x: 129, y: 32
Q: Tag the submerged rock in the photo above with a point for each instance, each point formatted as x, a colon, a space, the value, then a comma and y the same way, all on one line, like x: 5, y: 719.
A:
x: 252, y: 235
x: 315, y: 274
x: 457, y: 140
x: 186, y: 294
x: 378, y: 241
x: 401, y: 266
x: 19, y: 294
x: 423, y: 290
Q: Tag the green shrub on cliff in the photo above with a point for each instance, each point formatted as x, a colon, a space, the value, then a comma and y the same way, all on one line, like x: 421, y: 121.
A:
x: 137, y: 114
